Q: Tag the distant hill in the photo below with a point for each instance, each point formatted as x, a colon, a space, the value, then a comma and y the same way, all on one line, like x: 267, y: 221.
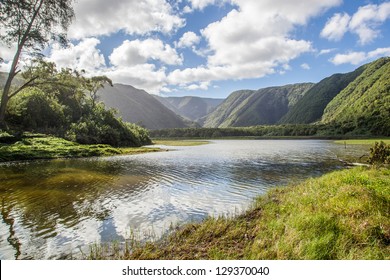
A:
x: 137, y: 106
x: 310, y: 108
x: 364, y: 105
x: 191, y: 107
x: 261, y: 107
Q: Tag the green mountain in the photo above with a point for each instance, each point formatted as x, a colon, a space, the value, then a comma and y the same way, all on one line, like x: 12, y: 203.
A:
x: 310, y: 108
x: 261, y: 107
x: 137, y: 106
x: 364, y: 105
x: 191, y: 107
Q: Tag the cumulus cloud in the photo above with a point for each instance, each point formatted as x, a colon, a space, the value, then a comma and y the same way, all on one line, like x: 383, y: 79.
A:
x: 101, y: 17
x: 83, y: 56
x: 253, y: 40
x: 144, y: 76
x: 336, y: 27
x: 364, y: 23
x: 357, y: 58
x: 139, y: 52
x: 129, y: 62
x: 201, y: 86
x: 188, y: 39
x: 201, y: 4
x: 305, y: 66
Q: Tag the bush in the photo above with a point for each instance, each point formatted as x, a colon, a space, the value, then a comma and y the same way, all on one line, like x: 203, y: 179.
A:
x: 101, y: 126
x: 379, y: 153
x: 35, y: 110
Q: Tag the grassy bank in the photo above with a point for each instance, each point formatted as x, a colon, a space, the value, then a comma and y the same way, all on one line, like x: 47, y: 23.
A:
x: 342, y: 215
x: 363, y: 141
x: 175, y: 142
x: 47, y: 147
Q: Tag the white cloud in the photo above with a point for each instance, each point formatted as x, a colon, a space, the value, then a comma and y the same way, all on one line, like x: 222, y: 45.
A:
x: 129, y: 61
x: 101, y: 17
x: 305, y: 66
x: 188, y: 39
x: 201, y: 4
x: 326, y: 51
x: 357, y: 58
x: 143, y: 76
x: 364, y: 23
x: 253, y: 40
x: 201, y: 86
x: 138, y: 52
x: 336, y: 27
x: 83, y: 56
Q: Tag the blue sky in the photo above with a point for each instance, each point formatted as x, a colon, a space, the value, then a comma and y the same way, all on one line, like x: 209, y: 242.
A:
x: 210, y: 48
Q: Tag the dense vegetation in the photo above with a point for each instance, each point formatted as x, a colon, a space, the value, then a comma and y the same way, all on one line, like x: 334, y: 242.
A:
x: 64, y: 103
x: 310, y: 130
x: 341, y: 215
x: 261, y: 107
x: 311, y: 106
x: 364, y: 105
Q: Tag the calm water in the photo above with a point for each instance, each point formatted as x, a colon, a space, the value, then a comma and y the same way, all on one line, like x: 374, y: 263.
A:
x: 55, y: 209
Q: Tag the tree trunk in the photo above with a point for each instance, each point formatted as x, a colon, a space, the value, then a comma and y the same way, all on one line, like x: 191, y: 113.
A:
x: 12, y: 73
x: 4, y: 100
x: 7, y: 88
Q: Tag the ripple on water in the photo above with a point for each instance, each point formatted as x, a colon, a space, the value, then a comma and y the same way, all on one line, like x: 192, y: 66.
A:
x: 52, y: 209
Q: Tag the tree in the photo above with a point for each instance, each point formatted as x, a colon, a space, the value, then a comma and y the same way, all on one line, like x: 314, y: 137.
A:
x: 93, y: 84
x: 30, y: 25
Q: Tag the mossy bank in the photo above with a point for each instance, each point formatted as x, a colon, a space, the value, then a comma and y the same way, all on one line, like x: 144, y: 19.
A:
x: 49, y: 147
x: 341, y: 215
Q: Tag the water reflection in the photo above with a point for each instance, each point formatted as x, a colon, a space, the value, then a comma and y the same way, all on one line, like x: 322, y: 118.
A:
x: 54, y: 209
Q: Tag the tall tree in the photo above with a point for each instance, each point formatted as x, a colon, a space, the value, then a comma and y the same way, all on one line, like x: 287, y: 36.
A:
x: 30, y: 25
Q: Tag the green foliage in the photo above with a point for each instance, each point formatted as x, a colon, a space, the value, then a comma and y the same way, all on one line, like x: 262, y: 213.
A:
x: 35, y: 110
x: 64, y: 103
x: 102, y: 126
x: 379, y: 153
x: 248, y: 107
x: 310, y: 107
x: 364, y: 105
x: 253, y: 131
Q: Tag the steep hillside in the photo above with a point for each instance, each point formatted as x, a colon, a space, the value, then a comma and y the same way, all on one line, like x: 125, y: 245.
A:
x: 364, y: 105
x: 311, y: 107
x: 190, y: 107
x: 137, y: 106
x: 264, y: 106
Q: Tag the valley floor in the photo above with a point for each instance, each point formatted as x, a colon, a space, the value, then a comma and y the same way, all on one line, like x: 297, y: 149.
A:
x: 341, y: 215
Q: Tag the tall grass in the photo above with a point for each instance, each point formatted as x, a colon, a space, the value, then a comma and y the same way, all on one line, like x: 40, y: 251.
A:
x: 341, y: 215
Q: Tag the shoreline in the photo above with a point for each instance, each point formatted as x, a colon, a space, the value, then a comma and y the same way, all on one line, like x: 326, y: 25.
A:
x: 340, y: 215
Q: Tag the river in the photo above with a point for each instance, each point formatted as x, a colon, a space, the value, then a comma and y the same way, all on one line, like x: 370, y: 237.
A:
x: 54, y: 209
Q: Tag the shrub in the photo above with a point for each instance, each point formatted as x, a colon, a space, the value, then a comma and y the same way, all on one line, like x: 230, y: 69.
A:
x: 379, y: 153
x: 101, y: 126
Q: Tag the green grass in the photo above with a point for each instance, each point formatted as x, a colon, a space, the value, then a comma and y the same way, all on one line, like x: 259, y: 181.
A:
x: 179, y: 142
x: 47, y: 147
x: 341, y: 215
x: 363, y: 141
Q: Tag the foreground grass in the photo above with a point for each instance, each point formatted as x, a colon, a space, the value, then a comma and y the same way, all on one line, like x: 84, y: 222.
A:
x: 180, y: 142
x: 48, y: 147
x: 342, y: 215
x: 363, y: 141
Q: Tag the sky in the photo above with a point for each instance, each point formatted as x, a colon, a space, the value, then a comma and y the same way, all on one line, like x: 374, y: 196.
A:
x: 210, y: 48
